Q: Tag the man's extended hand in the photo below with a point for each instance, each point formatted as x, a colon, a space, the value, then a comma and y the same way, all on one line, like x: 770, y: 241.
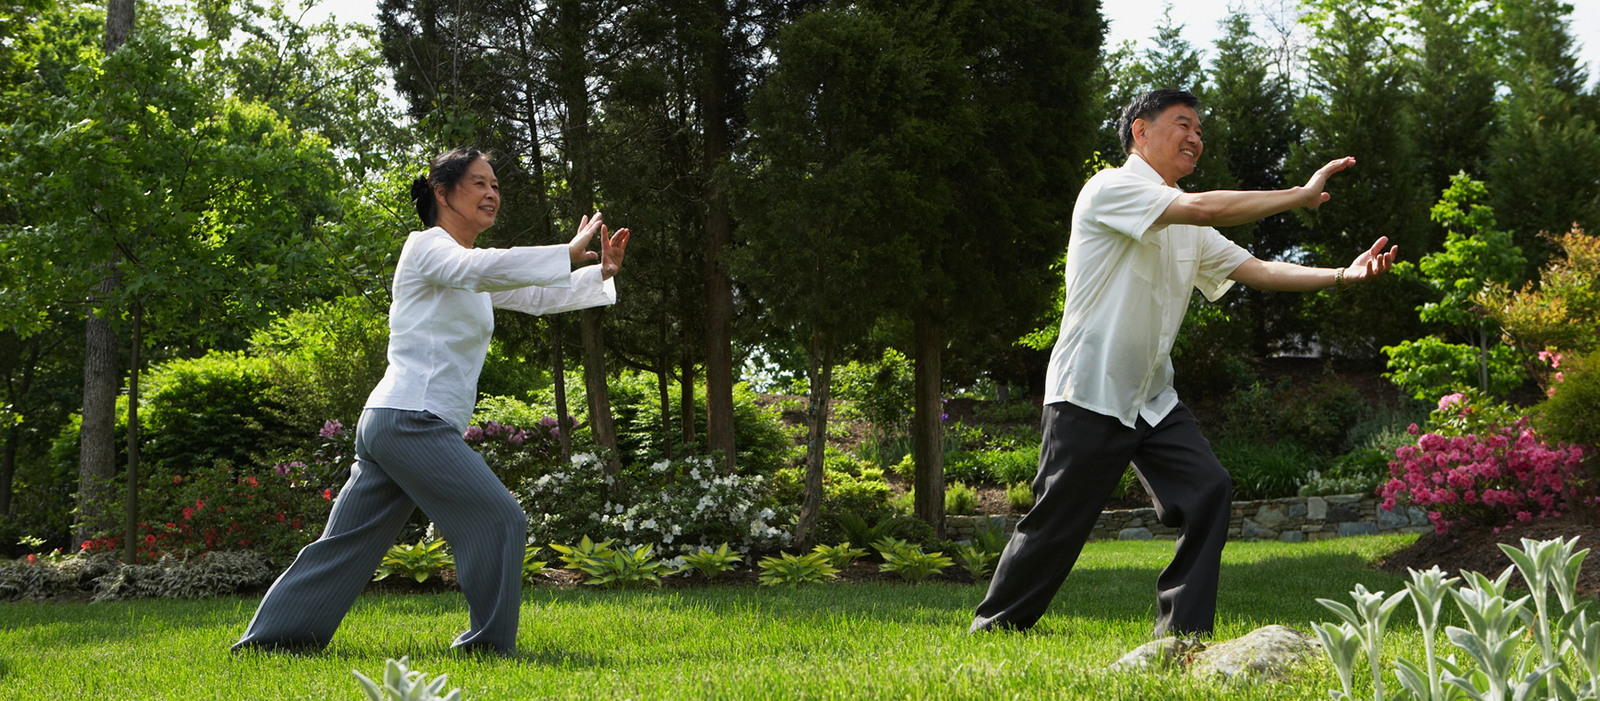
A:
x: 1319, y: 181
x: 1371, y: 263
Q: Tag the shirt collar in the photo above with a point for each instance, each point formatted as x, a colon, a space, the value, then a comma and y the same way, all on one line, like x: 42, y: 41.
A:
x: 1138, y: 166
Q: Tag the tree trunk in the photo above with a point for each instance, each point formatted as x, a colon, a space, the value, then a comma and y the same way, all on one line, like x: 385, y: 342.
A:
x: 927, y: 439
x: 563, y: 419
x: 97, y: 439
x: 601, y: 426
x: 719, y: 288
x: 663, y: 389
x: 817, y: 444
x: 130, y: 523
x: 119, y: 24
x: 686, y: 379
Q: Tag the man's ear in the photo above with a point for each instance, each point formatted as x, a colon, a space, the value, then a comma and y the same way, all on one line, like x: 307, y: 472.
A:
x: 1138, y: 129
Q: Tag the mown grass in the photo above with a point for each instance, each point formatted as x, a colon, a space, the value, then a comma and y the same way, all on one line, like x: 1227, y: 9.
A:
x: 868, y: 640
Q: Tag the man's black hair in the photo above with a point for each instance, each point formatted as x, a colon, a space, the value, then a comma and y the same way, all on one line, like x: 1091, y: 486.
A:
x: 1147, y: 107
x: 445, y: 171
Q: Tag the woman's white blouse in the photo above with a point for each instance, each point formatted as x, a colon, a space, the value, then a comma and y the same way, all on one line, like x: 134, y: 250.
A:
x: 1127, y: 290
x: 443, y: 315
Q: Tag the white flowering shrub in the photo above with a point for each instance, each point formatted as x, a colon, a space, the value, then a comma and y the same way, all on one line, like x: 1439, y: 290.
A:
x: 678, y: 505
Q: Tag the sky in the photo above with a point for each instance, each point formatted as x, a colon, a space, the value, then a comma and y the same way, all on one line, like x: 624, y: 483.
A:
x: 1136, y: 20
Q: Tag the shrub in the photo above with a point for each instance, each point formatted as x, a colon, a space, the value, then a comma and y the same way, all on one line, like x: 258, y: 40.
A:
x: 762, y: 443
x: 324, y: 360
x: 1020, y: 496
x: 960, y: 500
x: 516, y: 454
x: 711, y: 563
x: 1572, y: 413
x: 978, y: 562
x: 1265, y: 471
x: 908, y: 560
x: 219, y: 407
x: 20, y: 579
x: 625, y: 567
x: 419, y: 562
x: 855, y: 529
x: 1492, y: 477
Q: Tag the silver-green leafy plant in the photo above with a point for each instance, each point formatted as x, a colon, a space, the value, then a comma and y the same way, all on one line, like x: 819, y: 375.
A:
x: 841, y: 555
x: 1369, y: 618
x: 626, y: 567
x: 1343, y: 643
x: 711, y: 563
x: 795, y: 570
x: 1428, y: 590
x: 908, y: 560
x: 420, y: 561
x: 1490, y: 640
x: 400, y: 683
x: 574, y: 556
x: 1583, y: 639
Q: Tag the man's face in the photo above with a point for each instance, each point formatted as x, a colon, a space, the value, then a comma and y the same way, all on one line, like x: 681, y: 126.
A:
x: 1171, y: 142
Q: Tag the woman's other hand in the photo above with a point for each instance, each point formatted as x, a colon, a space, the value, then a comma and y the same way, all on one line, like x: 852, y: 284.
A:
x: 612, y: 247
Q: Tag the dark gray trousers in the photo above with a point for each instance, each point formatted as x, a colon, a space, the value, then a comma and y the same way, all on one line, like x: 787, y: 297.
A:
x: 404, y: 459
x: 1081, y: 460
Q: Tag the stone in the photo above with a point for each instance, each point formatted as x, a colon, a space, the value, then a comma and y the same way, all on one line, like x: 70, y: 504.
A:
x: 1345, y: 498
x: 1341, y: 513
x: 1418, y: 516
x: 1292, y: 537
x: 1266, y: 653
x: 1316, y: 509
x: 1271, y: 517
x: 1357, y: 528
x: 1134, y: 523
x: 1393, y: 520
x: 1297, y: 510
x: 1255, y: 531
x: 1158, y: 654
x: 1135, y: 534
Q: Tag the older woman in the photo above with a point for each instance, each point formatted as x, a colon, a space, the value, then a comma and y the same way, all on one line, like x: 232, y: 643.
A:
x: 409, y: 447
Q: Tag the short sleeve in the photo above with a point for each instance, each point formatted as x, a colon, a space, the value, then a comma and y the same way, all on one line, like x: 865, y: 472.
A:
x: 1125, y: 202
x: 1219, y: 257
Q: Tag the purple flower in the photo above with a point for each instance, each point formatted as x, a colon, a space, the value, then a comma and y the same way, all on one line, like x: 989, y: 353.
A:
x: 332, y: 428
x: 944, y: 417
x: 282, y: 469
x: 547, y: 421
x: 517, y: 438
x: 473, y: 433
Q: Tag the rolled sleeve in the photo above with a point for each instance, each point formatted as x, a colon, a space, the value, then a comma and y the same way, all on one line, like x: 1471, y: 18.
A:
x: 1129, y: 204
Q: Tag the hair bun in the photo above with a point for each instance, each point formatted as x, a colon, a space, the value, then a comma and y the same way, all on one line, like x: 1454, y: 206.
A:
x: 419, y: 188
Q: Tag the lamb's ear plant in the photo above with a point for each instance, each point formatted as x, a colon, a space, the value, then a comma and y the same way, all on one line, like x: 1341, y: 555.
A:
x: 1343, y: 644
x: 1583, y: 639
x: 841, y: 555
x: 1428, y: 590
x: 1369, y: 618
x: 1539, y: 563
x: 1491, y: 642
x: 793, y: 570
x: 401, y: 683
x: 710, y: 563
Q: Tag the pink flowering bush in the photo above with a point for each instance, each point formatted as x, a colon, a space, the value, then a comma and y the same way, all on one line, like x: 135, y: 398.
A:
x: 516, y: 454
x: 1494, y: 476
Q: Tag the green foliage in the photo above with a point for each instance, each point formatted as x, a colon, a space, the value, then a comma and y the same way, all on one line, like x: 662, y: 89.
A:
x: 325, y: 359
x: 531, y: 564
x: 401, y: 683
x: 1319, y: 418
x: 419, y: 562
x: 574, y: 556
x: 211, y: 574
x: 855, y: 529
x: 839, y: 556
x: 625, y: 568
x: 879, y: 392
x: 1020, y: 496
x: 993, y: 466
x: 1265, y: 470
x: 1572, y: 413
x: 218, y: 407
x: 1429, y: 367
x: 977, y: 561
x: 711, y: 563
x: 763, y: 446
x: 849, y: 485
x: 1563, y: 312
x: 794, y: 571
x: 908, y: 560
x: 1470, y: 413
x: 960, y: 500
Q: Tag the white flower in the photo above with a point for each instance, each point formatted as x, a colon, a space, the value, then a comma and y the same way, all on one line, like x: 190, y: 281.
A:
x: 766, y: 514
x: 694, y: 474
x: 660, y: 466
x: 618, y: 508
x: 594, y: 517
x: 666, y: 539
x: 627, y: 525
x: 676, y: 530
x: 649, y: 524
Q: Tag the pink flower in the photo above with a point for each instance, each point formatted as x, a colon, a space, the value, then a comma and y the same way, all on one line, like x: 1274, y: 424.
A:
x: 251, y: 480
x: 1449, y: 399
x: 327, y: 494
x: 473, y: 434
x: 331, y: 428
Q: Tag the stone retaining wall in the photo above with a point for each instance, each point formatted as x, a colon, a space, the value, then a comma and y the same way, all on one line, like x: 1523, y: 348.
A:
x: 1292, y: 520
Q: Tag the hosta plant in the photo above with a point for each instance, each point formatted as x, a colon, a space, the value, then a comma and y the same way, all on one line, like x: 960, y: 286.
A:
x: 420, y: 561
x: 977, y: 561
x: 795, y: 570
x: 400, y: 683
x: 909, y: 561
x: 841, y: 555
x: 711, y: 563
x: 531, y: 565
x: 574, y: 556
x: 626, y: 567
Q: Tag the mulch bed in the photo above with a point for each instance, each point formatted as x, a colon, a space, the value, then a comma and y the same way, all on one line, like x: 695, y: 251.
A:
x: 1475, y: 549
x: 864, y: 570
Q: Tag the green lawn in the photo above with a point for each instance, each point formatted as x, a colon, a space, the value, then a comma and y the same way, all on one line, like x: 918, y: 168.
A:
x: 870, y: 641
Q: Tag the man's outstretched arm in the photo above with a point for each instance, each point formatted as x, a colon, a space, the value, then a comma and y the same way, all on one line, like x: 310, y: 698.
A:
x: 1288, y: 277
x: 1235, y: 207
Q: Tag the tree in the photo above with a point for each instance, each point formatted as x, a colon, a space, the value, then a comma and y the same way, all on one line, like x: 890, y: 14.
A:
x: 1453, y: 85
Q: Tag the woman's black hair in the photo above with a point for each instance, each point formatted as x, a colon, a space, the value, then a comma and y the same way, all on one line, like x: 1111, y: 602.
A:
x: 445, y: 171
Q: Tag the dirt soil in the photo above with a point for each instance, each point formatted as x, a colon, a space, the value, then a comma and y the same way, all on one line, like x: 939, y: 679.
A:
x: 1476, y: 549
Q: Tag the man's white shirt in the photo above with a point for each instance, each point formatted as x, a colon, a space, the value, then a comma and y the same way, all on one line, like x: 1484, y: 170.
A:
x: 443, y: 315
x: 1127, y: 289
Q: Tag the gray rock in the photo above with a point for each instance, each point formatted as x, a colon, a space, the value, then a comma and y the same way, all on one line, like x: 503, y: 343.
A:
x: 1357, y: 528
x: 1255, y: 531
x: 1265, y: 653
x: 1158, y: 654
x: 1297, y: 510
x: 1135, y: 534
x: 1341, y: 513
x: 1292, y: 537
x: 1393, y: 520
x: 1316, y: 509
x: 1134, y: 522
x: 1271, y: 517
x: 1418, y: 516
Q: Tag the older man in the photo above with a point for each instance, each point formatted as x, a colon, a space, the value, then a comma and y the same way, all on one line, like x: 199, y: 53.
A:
x: 1139, y: 245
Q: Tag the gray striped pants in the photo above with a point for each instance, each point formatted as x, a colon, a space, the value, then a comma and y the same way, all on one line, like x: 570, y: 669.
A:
x: 404, y: 460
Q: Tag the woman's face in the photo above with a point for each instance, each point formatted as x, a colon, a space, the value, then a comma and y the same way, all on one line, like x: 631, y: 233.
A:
x: 475, y: 200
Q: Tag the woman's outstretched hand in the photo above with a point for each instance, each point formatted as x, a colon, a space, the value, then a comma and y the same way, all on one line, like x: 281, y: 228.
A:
x: 580, y: 243
x: 612, y: 247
